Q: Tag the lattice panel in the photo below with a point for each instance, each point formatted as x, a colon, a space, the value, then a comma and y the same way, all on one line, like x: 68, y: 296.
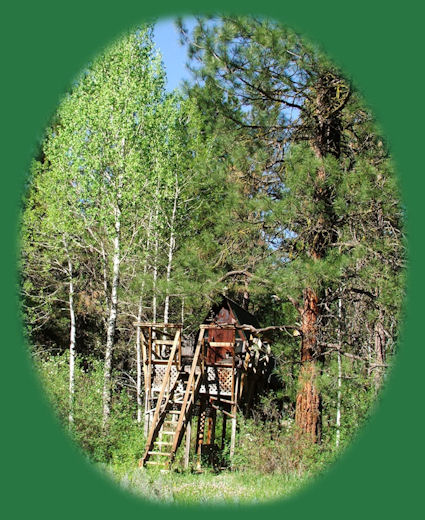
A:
x: 225, y: 376
x: 158, y: 373
x: 219, y: 381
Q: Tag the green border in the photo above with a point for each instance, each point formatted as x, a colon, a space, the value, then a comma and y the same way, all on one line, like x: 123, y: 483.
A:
x: 45, y: 44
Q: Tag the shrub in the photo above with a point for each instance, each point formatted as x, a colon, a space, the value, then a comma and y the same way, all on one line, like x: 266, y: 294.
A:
x: 123, y: 443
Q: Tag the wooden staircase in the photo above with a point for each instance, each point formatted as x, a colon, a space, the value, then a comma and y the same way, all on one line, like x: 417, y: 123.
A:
x: 173, y: 409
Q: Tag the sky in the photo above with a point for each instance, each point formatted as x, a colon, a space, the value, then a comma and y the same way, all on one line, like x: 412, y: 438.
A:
x: 173, y: 54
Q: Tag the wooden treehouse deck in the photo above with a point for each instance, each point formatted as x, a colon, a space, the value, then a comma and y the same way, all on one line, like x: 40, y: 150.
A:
x: 220, y: 375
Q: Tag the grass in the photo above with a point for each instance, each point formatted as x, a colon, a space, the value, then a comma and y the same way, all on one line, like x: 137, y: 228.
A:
x: 208, y: 487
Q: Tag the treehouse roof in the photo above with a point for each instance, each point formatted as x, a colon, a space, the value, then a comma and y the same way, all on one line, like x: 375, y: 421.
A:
x: 236, y: 314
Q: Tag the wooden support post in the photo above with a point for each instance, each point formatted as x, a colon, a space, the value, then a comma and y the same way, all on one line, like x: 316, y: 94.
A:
x: 187, y: 444
x: 233, y: 433
x: 149, y: 416
x: 223, y: 432
x: 145, y: 379
x: 211, y: 427
x: 200, y: 431
x: 179, y: 352
x: 250, y: 393
x: 234, y: 410
x: 146, y: 420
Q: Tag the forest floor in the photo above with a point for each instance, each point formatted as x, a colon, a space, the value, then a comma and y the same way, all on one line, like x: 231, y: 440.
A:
x: 226, y: 487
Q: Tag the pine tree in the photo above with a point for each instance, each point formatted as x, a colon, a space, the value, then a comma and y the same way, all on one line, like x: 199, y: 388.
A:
x: 308, y: 134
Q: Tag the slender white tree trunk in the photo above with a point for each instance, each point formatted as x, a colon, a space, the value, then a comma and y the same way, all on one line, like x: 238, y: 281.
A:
x: 105, y: 275
x: 154, y: 281
x: 139, y: 364
x: 71, y: 345
x: 339, y: 382
x: 155, y: 256
x: 168, y: 278
x: 112, y: 320
x: 138, y: 333
x: 171, y: 245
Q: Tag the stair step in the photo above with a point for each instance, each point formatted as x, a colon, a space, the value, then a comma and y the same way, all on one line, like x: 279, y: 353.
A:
x: 154, y: 463
x: 163, y: 453
x: 162, y: 443
x: 174, y: 411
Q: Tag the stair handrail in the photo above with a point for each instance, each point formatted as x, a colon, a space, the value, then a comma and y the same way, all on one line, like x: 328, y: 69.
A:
x: 189, y: 390
x: 165, y: 381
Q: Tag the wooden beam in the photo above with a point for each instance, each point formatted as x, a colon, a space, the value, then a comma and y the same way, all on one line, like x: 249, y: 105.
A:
x: 220, y: 400
x: 225, y: 412
x: 157, y: 325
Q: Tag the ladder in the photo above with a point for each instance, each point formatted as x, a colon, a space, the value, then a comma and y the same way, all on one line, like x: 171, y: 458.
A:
x: 173, y: 410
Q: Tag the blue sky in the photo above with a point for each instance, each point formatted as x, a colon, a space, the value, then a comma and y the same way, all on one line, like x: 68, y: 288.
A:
x: 173, y: 54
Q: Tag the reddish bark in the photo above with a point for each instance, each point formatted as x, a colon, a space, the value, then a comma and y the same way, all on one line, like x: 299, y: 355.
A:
x: 325, y: 113
x: 308, y: 409
x: 308, y: 406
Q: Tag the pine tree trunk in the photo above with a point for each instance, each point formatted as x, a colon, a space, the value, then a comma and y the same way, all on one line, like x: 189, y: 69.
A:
x: 112, y: 320
x: 325, y: 140
x: 308, y: 405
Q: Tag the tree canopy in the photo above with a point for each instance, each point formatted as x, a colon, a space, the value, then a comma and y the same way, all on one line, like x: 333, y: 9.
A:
x: 265, y: 179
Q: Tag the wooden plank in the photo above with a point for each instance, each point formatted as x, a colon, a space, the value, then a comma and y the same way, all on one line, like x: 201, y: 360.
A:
x: 224, y: 411
x: 163, y: 362
x: 219, y: 399
x: 163, y: 453
x: 148, y: 324
x: 221, y: 344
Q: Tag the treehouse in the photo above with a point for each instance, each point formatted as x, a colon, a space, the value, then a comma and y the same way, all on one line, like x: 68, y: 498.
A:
x: 221, y: 374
